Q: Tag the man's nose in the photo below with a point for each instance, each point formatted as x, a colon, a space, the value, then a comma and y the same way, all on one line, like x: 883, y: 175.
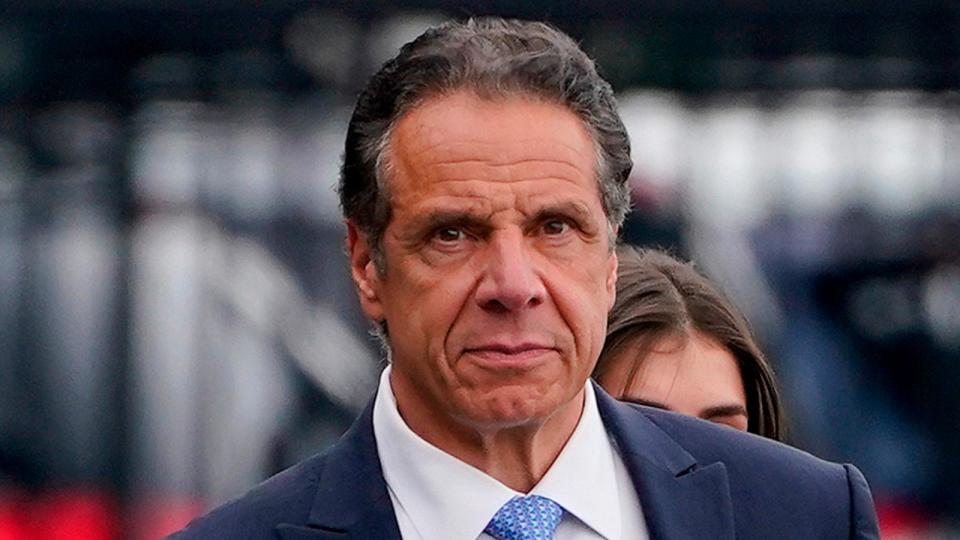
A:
x: 510, y: 282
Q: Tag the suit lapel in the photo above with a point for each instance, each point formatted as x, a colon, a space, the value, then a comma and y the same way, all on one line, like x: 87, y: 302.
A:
x: 352, y: 500
x: 681, y: 499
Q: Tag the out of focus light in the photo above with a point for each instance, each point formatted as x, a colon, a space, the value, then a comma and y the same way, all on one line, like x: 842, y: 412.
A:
x: 64, y: 514
x: 326, y: 44
x: 13, y: 170
x: 901, y: 153
x: 167, y: 153
x: 812, y: 153
x: 658, y: 127
x: 391, y: 33
x: 157, y: 515
x: 729, y: 181
x: 941, y: 303
x: 310, y: 165
x: 812, y: 149
x: 245, y: 168
x: 949, y: 113
x: 166, y: 370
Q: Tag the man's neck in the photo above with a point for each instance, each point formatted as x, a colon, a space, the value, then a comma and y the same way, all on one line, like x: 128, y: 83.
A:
x: 517, y: 456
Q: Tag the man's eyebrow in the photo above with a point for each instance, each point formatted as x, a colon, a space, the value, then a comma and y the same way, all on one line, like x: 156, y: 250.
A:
x: 723, y: 410
x: 645, y: 402
x: 439, y: 217
x: 576, y: 210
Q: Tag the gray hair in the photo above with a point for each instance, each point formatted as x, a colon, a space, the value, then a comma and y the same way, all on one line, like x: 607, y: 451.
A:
x: 493, y: 57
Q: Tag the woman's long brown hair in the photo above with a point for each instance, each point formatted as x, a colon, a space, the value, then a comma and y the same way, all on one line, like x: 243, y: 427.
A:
x: 659, y: 295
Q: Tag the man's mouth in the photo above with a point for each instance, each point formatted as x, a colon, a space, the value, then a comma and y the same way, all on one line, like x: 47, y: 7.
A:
x: 510, y: 354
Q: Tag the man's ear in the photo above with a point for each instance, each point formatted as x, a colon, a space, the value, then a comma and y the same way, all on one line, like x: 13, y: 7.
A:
x: 364, y: 272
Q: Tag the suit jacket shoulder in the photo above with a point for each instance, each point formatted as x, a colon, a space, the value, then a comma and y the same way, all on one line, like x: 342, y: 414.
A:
x: 774, y: 490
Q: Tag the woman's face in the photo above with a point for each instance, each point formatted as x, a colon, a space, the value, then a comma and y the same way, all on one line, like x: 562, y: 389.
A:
x: 691, y: 375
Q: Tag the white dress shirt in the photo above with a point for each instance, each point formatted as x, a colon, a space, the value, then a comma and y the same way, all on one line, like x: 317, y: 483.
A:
x: 438, y: 497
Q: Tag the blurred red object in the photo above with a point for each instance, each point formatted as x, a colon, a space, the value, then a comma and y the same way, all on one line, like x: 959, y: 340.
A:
x: 156, y: 516
x: 902, y: 520
x: 91, y: 514
x: 13, y: 513
x: 74, y: 513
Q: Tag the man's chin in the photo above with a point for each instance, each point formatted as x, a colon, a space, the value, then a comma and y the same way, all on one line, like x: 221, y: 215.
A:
x: 513, y: 408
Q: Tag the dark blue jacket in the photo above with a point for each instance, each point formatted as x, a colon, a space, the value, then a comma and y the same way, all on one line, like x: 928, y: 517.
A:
x: 695, y: 480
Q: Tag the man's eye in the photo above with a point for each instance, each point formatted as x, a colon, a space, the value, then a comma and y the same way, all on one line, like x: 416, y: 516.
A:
x: 556, y: 227
x: 449, y: 234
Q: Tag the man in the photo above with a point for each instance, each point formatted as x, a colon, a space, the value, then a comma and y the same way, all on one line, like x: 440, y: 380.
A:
x: 483, y: 184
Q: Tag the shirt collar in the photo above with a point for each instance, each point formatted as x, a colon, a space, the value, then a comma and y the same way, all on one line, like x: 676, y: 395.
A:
x: 583, y: 478
x: 447, y: 498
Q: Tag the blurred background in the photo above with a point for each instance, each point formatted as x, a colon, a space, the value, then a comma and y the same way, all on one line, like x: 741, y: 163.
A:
x: 176, y: 318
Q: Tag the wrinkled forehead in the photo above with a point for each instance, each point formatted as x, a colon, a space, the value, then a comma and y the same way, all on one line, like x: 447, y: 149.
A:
x: 461, y: 135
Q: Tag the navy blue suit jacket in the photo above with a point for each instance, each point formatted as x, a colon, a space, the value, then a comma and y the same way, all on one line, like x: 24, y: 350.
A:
x: 695, y: 480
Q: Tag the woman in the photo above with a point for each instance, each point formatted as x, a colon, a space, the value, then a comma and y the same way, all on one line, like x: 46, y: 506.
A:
x: 674, y: 341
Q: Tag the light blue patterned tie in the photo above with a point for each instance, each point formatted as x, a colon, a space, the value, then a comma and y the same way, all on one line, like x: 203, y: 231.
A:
x: 526, y: 518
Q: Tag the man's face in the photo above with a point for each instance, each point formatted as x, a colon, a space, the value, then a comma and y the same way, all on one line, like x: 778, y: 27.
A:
x: 499, y: 272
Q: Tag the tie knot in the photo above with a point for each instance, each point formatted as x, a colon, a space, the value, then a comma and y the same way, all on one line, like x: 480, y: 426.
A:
x: 526, y: 518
